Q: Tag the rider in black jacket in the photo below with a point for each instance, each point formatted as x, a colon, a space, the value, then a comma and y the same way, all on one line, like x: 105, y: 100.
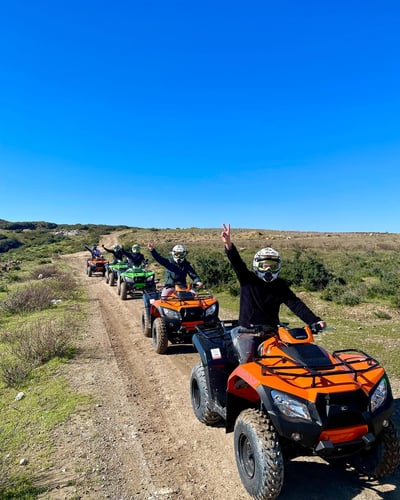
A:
x: 135, y: 258
x: 261, y: 291
x: 117, y: 252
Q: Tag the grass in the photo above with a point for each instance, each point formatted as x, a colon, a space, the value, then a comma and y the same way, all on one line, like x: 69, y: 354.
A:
x: 26, y: 425
x: 36, y: 343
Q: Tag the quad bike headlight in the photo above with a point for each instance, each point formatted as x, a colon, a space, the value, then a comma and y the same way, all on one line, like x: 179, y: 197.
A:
x: 290, y: 407
x: 170, y: 313
x: 379, y: 395
x: 211, y: 310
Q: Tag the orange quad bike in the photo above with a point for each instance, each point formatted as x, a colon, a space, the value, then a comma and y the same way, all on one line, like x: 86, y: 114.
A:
x: 174, y: 318
x: 96, y: 266
x: 283, y: 396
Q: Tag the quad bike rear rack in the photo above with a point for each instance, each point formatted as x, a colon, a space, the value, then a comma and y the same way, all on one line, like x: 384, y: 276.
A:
x: 297, y: 369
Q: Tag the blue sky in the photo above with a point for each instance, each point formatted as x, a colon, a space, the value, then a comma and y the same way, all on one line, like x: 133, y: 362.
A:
x: 276, y: 115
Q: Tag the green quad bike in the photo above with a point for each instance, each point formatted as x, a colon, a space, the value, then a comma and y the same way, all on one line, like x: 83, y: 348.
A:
x: 134, y: 281
x: 114, y: 270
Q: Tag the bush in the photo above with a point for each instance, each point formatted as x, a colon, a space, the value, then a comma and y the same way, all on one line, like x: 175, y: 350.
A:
x: 214, y: 269
x: 45, y: 271
x: 34, y: 344
x: 307, y: 272
x: 35, y: 297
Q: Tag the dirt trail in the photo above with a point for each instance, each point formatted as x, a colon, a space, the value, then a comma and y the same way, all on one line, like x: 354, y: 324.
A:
x: 141, y: 440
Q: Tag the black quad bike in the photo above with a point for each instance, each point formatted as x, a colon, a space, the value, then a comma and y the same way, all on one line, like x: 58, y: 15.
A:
x: 283, y: 396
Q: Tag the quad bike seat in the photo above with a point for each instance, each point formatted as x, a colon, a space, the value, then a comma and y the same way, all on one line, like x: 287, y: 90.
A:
x: 245, y: 342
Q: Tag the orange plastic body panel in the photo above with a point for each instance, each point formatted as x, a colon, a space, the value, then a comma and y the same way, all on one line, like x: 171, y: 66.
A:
x: 98, y: 263
x: 346, y: 434
x: 177, y: 303
x: 298, y: 380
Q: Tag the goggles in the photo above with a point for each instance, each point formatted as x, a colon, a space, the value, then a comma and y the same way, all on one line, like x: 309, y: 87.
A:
x: 268, y: 265
x: 179, y: 255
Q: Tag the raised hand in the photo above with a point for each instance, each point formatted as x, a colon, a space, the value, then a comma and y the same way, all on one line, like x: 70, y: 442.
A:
x: 226, y: 235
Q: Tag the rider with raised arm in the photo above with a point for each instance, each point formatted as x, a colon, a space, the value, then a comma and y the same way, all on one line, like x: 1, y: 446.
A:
x: 261, y: 290
x: 177, y: 268
x: 116, y: 251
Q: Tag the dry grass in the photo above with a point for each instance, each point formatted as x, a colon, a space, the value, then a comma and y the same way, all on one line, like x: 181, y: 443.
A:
x: 282, y: 240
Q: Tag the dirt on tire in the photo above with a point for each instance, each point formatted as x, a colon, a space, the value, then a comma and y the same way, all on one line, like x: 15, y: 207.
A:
x: 140, y: 439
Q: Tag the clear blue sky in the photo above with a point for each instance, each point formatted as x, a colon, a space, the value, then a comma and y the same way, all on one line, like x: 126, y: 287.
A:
x: 265, y: 114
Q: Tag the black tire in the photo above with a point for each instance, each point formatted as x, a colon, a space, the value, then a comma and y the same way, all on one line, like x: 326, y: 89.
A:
x: 258, y: 455
x: 200, y: 397
x: 111, y: 279
x: 124, y: 290
x: 146, y: 323
x: 107, y: 276
x: 119, y: 285
x: 89, y: 271
x: 383, y: 458
x: 160, y: 336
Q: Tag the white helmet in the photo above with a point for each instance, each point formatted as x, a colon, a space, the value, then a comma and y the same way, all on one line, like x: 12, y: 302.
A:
x: 179, y: 253
x: 267, y: 264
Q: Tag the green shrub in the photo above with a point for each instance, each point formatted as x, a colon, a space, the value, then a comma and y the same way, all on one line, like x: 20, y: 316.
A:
x: 213, y: 268
x: 306, y: 271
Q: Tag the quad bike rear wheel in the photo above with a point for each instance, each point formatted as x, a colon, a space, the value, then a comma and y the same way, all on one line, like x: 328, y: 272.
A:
x: 383, y: 458
x: 119, y: 285
x: 146, y: 323
x: 160, y: 336
x: 200, y: 397
x: 258, y: 455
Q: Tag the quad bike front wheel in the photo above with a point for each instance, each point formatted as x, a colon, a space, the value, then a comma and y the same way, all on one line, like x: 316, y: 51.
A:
x: 146, y: 323
x: 383, y: 458
x: 160, y: 336
x: 89, y: 271
x: 258, y: 455
x: 111, y: 278
x: 124, y: 290
x: 200, y: 397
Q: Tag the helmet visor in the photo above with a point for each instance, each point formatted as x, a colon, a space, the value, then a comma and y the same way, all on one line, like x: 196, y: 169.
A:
x: 268, y: 265
x: 179, y: 255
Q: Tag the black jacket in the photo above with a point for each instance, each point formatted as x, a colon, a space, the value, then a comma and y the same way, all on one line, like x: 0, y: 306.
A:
x: 118, y: 254
x: 134, y: 259
x: 260, y: 301
x: 175, y: 274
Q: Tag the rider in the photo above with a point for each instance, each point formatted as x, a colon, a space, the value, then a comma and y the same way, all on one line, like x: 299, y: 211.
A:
x: 177, y: 268
x: 135, y: 258
x: 261, y: 290
x: 116, y: 251
x: 96, y: 254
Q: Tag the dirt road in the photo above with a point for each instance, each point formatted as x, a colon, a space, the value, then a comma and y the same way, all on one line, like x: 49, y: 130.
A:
x: 141, y: 440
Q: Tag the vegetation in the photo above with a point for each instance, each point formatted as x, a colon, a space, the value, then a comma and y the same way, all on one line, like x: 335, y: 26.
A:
x: 351, y: 280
